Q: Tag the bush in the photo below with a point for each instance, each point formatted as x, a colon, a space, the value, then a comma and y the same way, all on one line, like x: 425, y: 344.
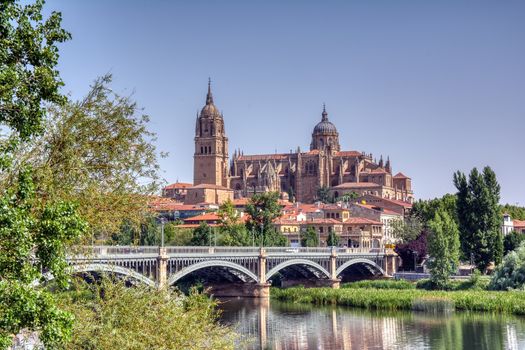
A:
x: 112, y: 316
x: 510, y: 274
x: 381, y: 284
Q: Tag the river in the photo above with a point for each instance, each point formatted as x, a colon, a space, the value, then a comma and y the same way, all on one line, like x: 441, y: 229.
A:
x: 265, y: 324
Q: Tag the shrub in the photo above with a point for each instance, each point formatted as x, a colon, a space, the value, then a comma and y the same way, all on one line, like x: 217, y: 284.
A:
x: 510, y: 274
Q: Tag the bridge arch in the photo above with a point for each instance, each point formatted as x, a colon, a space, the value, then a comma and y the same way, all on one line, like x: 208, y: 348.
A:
x: 292, y: 262
x: 359, y: 261
x: 106, y: 268
x: 211, y: 263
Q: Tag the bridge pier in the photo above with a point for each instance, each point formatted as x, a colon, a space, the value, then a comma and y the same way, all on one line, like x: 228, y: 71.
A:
x: 391, y: 263
x: 162, y: 268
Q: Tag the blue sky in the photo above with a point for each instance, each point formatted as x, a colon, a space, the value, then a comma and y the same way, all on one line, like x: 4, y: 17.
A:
x: 438, y: 86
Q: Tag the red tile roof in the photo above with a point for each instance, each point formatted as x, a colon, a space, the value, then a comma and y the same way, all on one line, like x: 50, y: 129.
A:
x: 519, y: 223
x: 215, y: 187
x: 361, y: 221
x: 401, y: 176
x: 357, y: 185
x: 374, y: 207
x: 348, y: 154
x: 178, y: 185
x: 203, y: 217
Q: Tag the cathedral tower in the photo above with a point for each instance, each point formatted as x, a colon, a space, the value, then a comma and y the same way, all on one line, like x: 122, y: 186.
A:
x: 210, y: 161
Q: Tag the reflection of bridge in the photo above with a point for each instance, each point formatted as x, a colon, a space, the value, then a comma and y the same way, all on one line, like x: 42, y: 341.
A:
x: 237, y: 271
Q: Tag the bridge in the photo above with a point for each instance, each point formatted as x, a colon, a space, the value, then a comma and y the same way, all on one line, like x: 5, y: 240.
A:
x: 235, y: 271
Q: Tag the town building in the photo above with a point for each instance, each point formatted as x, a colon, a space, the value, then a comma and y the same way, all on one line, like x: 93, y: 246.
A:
x: 510, y: 225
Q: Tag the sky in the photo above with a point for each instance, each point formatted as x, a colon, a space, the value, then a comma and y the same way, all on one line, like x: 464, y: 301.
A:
x: 438, y: 86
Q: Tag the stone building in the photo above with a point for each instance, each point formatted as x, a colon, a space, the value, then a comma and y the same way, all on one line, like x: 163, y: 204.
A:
x: 296, y: 175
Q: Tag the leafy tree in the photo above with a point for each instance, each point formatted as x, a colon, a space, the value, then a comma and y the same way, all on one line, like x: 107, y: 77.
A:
x: 479, y: 216
x: 407, y: 250
x: 99, y: 153
x: 333, y: 239
x: 263, y: 209
x: 148, y: 233
x: 28, y: 59
x: 33, y: 232
x: 512, y: 241
x: 180, y: 236
x: 514, y: 211
x: 443, y: 246
x: 236, y: 235
x: 510, y: 274
x: 202, y: 235
x: 309, y: 237
x: 407, y: 229
x: 347, y: 197
x: 323, y: 195
x: 425, y: 210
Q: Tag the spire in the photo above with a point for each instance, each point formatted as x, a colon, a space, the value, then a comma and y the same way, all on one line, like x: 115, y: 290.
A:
x: 381, y: 161
x: 209, y: 96
x: 325, y: 115
x: 388, y: 166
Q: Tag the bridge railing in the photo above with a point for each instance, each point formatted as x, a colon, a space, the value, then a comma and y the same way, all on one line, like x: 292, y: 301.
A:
x: 204, y: 250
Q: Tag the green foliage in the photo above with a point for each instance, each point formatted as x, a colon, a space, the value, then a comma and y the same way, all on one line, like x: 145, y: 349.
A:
x: 179, y: 236
x: 479, y: 216
x: 112, y: 316
x: 28, y: 57
x: 263, y: 209
x: 323, y: 195
x: 99, y: 153
x: 425, y: 210
x: 347, y: 197
x: 235, y: 235
x: 202, y: 235
x: 33, y: 239
x: 380, y: 284
x: 309, y: 237
x: 333, y: 239
x: 514, y: 211
x: 443, y: 247
x: 511, y: 273
x: 512, y: 241
x: 475, y: 282
x: 403, y: 299
x: 407, y: 229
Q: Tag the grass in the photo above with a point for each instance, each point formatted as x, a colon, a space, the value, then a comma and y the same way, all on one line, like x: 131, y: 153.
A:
x: 381, y: 284
x: 406, y: 299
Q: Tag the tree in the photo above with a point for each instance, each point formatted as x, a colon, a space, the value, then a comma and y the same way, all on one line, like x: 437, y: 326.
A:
x: 443, y: 246
x: 323, y: 195
x: 33, y: 233
x: 425, y: 210
x: 515, y: 212
x: 333, y: 239
x: 407, y: 229
x: 232, y: 231
x: 99, y: 153
x: 263, y: 209
x: 479, y: 216
x: 202, y: 235
x: 416, y: 247
x: 309, y: 237
x: 512, y: 241
x: 510, y: 274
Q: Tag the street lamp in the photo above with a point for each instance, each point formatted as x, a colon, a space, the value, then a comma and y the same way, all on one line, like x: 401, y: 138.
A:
x: 471, y: 262
x: 162, y: 223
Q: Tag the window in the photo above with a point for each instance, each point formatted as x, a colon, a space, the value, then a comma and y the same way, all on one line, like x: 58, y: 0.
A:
x: 321, y: 229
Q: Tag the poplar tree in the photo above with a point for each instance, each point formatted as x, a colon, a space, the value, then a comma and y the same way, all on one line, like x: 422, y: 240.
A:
x: 443, y: 246
x: 479, y: 217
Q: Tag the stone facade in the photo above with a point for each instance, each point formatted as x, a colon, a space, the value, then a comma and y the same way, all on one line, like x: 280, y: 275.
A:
x: 296, y: 175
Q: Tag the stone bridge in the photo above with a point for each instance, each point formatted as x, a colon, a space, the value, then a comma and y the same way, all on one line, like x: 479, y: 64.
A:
x: 235, y: 271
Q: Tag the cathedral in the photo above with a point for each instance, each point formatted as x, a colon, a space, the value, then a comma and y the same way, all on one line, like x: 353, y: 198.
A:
x: 297, y: 176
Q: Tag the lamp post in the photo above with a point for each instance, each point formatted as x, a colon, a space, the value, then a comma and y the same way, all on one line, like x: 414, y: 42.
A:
x: 415, y: 255
x: 162, y: 223
x: 471, y: 262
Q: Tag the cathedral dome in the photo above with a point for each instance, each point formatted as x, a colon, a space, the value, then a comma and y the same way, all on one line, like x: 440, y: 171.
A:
x: 325, y: 126
x: 210, y: 110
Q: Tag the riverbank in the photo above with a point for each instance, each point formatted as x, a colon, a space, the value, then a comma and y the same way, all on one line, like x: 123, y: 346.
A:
x: 407, y: 299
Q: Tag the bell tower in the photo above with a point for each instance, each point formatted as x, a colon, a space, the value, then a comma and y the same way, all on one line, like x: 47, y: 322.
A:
x: 210, y: 160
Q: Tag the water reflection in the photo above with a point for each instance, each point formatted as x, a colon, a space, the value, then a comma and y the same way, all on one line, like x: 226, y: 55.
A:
x: 276, y: 325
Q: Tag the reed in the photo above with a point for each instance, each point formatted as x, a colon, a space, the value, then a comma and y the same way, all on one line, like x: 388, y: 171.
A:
x: 380, y: 284
x: 512, y: 302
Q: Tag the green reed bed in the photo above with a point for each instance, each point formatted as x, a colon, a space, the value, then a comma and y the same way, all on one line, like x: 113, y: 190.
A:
x: 381, y: 284
x: 406, y: 299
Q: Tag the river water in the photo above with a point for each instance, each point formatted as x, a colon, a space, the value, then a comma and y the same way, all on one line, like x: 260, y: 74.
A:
x: 285, y: 326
